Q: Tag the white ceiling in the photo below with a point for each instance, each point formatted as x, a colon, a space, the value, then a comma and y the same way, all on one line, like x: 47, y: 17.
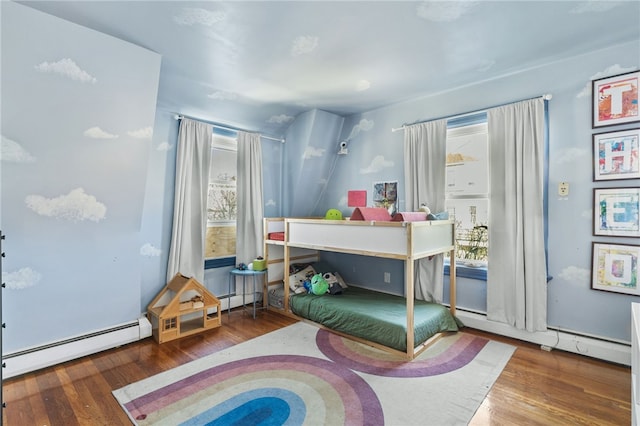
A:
x: 257, y: 64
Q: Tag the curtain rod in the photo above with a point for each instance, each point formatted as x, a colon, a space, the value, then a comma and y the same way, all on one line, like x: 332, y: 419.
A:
x: 219, y: 126
x: 546, y: 97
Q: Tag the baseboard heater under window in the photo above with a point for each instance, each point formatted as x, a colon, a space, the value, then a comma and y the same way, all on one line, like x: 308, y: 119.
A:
x: 35, y: 358
x: 554, y: 338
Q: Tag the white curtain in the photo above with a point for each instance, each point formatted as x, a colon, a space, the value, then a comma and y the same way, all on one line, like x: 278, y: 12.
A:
x: 186, y: 255
x: 516, y: 276
x: 425, y: 153
x: 250, y: 199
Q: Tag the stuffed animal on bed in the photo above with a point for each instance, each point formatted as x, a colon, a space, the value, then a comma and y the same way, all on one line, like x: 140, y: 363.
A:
x: 319, y: 285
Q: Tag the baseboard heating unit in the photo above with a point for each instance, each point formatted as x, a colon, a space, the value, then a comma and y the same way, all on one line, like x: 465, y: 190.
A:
x: 35, y: 358
x: 591, y: 346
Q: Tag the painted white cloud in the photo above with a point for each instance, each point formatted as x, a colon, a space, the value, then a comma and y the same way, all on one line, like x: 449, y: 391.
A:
x: 143, y: 133
x: 21, y: 279
x: 594, y: 6
x: 311, y: 152
x: 165, y: 146
x: 363, y: 126
x: 76, y: 206
x: 571, y: 155
x: 270, y: 203
x: 280, y: 119
x: 377, y: 164
x: 193, y: 15
x: 67, y: 68
x: 303, y: 45
x: 575, y: 274
x: 443, y: 11
x: 97, y: 133
x: 612, y: 70
x: 223, y: 96
x: 343, y: 201
x: 12, y: 152
x: 363, y: 85
x: 150, y: 251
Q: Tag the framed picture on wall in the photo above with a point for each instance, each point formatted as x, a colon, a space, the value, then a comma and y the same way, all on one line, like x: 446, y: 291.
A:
x: 385, y: 194
x: 615, y: 99
x: 615, y: 155
x: 615, y: 268
x: 615, y: 212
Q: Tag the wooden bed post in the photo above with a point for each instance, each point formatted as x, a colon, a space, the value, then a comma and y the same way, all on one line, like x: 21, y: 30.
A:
x: 452, y: 282
x: 285, y: 273
x: 409, y: 291
x: 409, y: 264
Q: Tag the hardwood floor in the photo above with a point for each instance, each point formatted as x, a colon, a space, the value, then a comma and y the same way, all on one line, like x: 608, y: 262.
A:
x: 535, y: 388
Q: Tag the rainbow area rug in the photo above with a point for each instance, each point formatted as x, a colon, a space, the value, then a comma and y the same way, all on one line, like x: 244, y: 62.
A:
x: 303, y: 375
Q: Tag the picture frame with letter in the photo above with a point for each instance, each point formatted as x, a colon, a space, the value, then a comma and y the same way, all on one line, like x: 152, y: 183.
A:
x: 615, y: 99
x: 615, y: 268
x: 615, y: 155
x: 616, y: 212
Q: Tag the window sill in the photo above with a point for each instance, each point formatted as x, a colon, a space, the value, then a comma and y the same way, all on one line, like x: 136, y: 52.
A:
x: 221, y: 262
x: 467, y: 271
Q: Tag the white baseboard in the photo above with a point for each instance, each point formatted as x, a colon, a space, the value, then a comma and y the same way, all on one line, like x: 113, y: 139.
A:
x: 592, y: 347
x: 35, y: 358
x: 236, y: 301
x: 39, y: 357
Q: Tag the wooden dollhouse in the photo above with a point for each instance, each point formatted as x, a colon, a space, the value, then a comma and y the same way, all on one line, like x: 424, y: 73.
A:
x: 182, y: 308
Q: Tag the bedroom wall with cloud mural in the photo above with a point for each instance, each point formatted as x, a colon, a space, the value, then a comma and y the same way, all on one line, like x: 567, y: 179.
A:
x: 77, y: 124
x: 87, y: 186
x: 376, y: 154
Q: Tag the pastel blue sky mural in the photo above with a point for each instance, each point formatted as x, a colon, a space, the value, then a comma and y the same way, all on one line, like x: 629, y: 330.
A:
x: 75, y: 134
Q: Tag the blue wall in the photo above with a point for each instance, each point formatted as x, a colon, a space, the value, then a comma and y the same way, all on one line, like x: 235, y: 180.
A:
x: 77, y: 123
x: 309, y: 160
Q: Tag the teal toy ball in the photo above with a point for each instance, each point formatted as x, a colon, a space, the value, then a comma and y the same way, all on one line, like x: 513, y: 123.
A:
x: 333, y: 214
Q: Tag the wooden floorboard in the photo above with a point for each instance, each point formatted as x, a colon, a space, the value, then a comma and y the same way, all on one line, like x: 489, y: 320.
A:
x: 535, y: 388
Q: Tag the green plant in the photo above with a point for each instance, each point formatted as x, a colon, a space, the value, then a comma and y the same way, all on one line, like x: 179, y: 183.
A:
x: 471, y: 244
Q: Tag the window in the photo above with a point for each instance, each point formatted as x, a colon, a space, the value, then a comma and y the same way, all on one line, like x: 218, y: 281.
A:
x: 467, y: 187
x: 221, y: 201
x: 170, y: 323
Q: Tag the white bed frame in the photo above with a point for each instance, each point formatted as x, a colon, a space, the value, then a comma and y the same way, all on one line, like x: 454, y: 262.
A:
x: 407, y: 241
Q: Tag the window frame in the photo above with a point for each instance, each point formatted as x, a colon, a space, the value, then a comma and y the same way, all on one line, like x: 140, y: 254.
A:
x: 475, y: 124
x: 226, y: 141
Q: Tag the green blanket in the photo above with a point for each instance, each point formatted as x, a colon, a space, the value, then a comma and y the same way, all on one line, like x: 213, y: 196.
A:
x: 374, y: 316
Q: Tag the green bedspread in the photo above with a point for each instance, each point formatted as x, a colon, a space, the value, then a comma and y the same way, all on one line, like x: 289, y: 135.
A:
x: 374, y: 316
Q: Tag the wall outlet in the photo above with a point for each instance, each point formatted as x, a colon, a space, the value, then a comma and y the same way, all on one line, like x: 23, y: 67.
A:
x: 563, y: 189
x: 387, y: 277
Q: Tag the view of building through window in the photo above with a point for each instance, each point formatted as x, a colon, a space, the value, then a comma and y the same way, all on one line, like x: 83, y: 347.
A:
x: 467, y: 191
x: 221, y: 199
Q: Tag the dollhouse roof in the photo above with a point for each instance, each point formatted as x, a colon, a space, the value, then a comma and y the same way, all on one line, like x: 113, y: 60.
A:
x: 180, y: 289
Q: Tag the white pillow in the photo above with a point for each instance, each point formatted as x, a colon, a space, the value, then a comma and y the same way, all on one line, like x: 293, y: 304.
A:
x: 297, y: 280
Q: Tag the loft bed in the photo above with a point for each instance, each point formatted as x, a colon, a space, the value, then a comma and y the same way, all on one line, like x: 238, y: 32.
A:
x: 393, y: 323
